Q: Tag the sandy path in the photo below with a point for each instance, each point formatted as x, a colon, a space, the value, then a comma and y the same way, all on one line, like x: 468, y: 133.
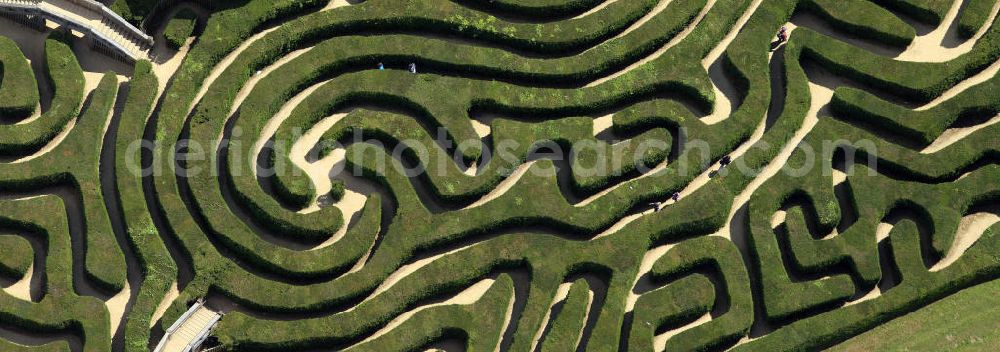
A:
x: 600, y: 123
x: 983, y: 76
x: 645, y: 266
x: 660, y: 341
x: 603, y: 123
x: 318, y: 171
x: 260, y: 75
x: 560, y: 296
x: 229, y: 58
x: 882, y: 231
x: 723, y: 104
x: 508, y: 316
x: 931, y: 46
x: 468, y: 296
x: 408, y: 269
x: 778, y: 218
x: 164, y: 304
x: 165, y: 71
x: 820, y: 97
x: 970, y: 229
x: 503, y: 186
x: 873, y: 294
x: 953, y: 135
x: 674, y: 41
x: 22, y: 288
x: 595, y: 9
x: 482, y: 130
x: 335, y: 4
x: 351, y: 204
x: 702, y: 179
x: 697, y: 183
x: 298, y: 146
x: 224, y: 64
x: 116, y: 306
x: 93, y: 79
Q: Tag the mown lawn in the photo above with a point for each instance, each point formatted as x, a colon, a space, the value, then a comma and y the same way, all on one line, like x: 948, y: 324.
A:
x: 966, y: 321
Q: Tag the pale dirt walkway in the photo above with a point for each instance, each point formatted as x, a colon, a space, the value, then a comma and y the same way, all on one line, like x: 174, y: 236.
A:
x: 603, y: 124
x: 595, y: 9
x: 165, y: 303
x: 953, y: 135
x: 231, y: 57
x: 165, y: 71
x: 408, y: 269
x: 983, y: 76
x: 116, y: 307
x: 970, y: 229
x: 660, y: 341
x: 931, y: 46
x: 645, y: 266
x: 723, y: 104
x: 721, y: 111
x: 468, y: 296
x: 92, y: 81
x: 561, y: 293
x: 22, y: 288
x: 503, y: 186
x: 508, y: 316
x: 673, y: 41
x: 320, y: 170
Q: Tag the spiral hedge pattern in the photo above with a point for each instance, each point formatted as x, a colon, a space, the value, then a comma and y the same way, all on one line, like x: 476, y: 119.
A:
x: 824, y: 185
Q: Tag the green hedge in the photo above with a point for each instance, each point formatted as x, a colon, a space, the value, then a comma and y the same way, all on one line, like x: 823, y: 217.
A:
x: 541, y: 9
x: 180, y: 27
x: 719, y: 257
x: 61, y: 309
x: 158, y: 269
x: 864, y: 19
x: 66, y: 79
x: 591, y: 218
x: 566, y: 328
x: 974, y: 16
x: 17, y: 256
x: 535, y: 201
x: 19, y: 90
x: 927, y: 11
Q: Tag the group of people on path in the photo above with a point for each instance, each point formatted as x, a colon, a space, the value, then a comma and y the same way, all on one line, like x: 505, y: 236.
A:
x: 412, y: 67
x: 657, y: 206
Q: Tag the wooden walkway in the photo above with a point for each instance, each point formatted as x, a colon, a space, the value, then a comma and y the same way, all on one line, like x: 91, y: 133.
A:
x: 190, y: 331
x: 90, y: 18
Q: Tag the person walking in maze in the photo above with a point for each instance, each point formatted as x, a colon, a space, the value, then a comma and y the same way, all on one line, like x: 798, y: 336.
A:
x: 782, y: 34
x: 656, y: 206
x: 413, y: 67
x: 675, y: 197
x: 381, y: 67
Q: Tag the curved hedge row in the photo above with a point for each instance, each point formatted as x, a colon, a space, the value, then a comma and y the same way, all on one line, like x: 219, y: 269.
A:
x: 19, y: 90
x: 61, y: 309
x: 66, y: 79
x: 17, y: 256
x: 296, y: 280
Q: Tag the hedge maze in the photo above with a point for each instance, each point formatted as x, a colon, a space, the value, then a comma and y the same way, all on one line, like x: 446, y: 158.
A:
x: 601, y: 175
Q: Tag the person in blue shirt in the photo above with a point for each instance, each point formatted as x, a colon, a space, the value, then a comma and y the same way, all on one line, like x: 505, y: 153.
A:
x: 381, y: 67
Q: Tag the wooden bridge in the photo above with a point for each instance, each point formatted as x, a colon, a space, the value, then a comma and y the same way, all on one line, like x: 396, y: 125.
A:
x: 89, y: 17
x: 190, y: 330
